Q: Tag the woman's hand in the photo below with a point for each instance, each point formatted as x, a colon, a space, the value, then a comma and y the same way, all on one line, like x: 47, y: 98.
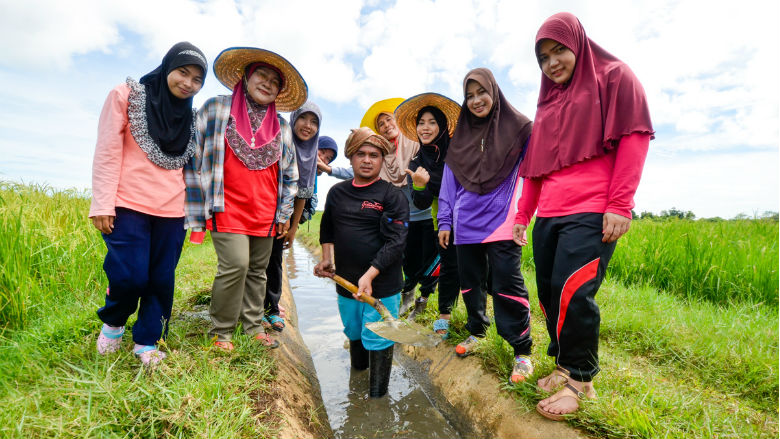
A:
x: 518, y: 234
x: 420, y: 177
x: 290, y: 237
x: 444, y: 238
x: 325, y: 268
x: 614, y: 226
x: 104, y: 223
x: 282, y: 229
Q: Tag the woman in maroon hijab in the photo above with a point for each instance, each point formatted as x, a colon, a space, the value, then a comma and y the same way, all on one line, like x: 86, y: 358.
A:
x: 584, y: 161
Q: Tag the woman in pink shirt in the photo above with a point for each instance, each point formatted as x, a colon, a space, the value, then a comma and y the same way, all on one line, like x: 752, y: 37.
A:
x: 584, y: 161
x: 145, y: 137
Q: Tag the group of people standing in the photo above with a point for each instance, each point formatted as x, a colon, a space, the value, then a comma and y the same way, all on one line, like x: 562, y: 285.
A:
x: 438, y: 194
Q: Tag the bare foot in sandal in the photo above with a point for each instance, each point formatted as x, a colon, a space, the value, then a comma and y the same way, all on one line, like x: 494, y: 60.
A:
x: 554, y: 381
x: 566, y: 401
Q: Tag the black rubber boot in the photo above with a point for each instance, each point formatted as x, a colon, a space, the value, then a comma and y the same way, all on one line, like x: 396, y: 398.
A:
x: 358, y: 355
x: 419, y: 307
x: 407, y: 301
x: 380, y: 364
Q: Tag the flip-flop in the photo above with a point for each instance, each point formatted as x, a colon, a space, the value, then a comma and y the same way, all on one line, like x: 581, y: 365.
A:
x: 266, y: 340
x: 573, y: 393
x: 277, y: 323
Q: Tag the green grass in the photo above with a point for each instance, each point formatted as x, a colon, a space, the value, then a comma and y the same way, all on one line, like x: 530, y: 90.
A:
x: 673, y: 365
x: 722, y: 262
x: 54, y: 384
x: 49, y: 250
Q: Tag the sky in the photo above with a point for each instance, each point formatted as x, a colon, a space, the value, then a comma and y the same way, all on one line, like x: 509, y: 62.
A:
x: 709, y: 68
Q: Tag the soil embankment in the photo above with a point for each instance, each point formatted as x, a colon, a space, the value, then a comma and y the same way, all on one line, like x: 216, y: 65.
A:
x: 476, y: 399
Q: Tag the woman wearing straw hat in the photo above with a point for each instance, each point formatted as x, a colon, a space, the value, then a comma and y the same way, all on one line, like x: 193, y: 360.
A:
x: 431, y: 117
x: 380, y: 117
x: 305, y: 123
x: 480, y: 188
x: 243, y: 180
x: 145, y: 137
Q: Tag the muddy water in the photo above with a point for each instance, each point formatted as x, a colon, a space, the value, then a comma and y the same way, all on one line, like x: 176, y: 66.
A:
x: 406, y: 412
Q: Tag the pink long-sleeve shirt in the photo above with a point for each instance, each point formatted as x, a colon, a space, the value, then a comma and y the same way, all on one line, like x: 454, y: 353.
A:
x: 122, y: 175
x: 602, y: 184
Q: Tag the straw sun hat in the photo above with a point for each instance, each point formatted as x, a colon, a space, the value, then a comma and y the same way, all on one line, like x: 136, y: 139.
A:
x: 406, y: 113
x: 231, y: 63
x: 384, y: 106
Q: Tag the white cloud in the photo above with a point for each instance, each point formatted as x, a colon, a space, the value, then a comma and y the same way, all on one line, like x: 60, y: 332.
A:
x: 709, y: 69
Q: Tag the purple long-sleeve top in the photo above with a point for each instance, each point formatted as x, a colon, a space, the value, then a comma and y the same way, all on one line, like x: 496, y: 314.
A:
x: 479, y: 218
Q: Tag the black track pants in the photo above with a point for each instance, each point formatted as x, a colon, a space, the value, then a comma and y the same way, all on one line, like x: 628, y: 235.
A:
x: 510, y: 297
x: 449, y: 283
x: 273, y: 283
x: 570, y: 264
x: 421, y: 257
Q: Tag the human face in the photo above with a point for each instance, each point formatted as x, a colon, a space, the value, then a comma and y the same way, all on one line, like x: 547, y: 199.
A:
x: 306, y: 126
x: 387, y: 127
x: 478, y: 100
x: 427, y: 128
x: 556, y: 60
x: 185, y: 82
x: 263, y: 85
x: 366, y: 163
x: 326, y: 155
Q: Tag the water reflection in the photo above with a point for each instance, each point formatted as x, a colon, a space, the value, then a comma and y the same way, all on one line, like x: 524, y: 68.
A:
x: 405, y: 412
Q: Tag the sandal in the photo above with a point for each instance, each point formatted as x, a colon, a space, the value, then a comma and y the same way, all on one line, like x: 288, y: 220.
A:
x: 559, y: 376
x: 522, y: 369
x: 225, y: 346
x: 149, y: 355
x: 442, y: 325
x: 571, y: 392
x: 466, y: 347
x: 277, y: 323
x: 266, y: 323
x: 266, y: 340
x: 110, y: 339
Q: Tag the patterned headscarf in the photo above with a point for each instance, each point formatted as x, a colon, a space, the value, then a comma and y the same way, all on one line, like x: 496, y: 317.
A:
x: 360, y: 136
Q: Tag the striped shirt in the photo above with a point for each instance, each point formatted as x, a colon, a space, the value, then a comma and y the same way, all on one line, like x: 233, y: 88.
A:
x: 204, y: 174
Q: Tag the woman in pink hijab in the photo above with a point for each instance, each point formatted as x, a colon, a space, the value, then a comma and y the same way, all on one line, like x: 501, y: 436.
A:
x: 584, y: 161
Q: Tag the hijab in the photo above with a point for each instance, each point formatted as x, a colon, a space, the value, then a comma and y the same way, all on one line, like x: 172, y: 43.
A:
x: 485, y: 150
x: 586, y: 117
x: 253, y: 129
x: 306, y: 150
x: 168, y: 118
x: 326, y: 142
x: 431, y: 156
x: 397, y: 159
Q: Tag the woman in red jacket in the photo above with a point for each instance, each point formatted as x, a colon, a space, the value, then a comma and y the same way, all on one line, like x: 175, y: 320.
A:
x: 584, y: 161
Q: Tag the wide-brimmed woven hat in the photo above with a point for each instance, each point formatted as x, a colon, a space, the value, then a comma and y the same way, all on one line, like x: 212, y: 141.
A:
x: 406, y: 113
x: 383, y: 106
x: 231, y: 63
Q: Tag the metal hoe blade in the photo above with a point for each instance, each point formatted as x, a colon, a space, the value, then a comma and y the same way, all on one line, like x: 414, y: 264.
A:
x: 402, y: 331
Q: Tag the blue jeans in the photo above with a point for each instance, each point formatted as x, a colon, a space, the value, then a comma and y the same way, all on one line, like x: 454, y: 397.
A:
x: 143, y: 251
